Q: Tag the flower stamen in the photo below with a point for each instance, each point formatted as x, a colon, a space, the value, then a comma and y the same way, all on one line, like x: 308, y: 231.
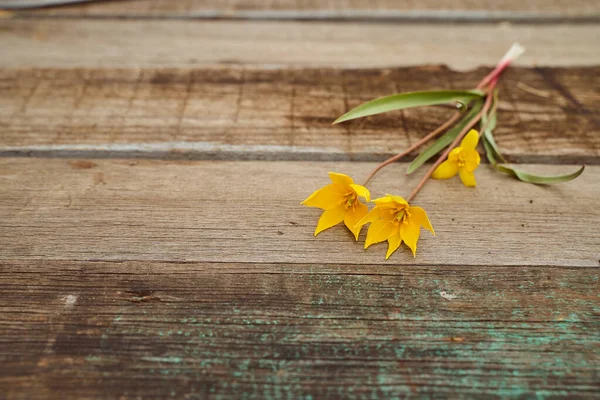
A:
x: 401, y: 216
x: 350, y: 200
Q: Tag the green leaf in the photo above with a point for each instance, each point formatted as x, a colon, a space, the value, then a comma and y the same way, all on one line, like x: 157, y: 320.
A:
x: 524, y: 176
x: 489, y: 127
x: 407, y: 100
x: 537, y: 179
x: 445, y: 139
x: 489, y: 151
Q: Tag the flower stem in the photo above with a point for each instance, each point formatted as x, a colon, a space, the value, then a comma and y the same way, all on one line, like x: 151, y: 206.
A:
x: 492, y: 111
x: 511, y: 55
x: 459, y: 137
x: 488, y: 82
x: 415, y: 146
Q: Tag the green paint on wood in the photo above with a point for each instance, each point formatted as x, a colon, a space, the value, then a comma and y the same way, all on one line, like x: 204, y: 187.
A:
x: 175, y: 360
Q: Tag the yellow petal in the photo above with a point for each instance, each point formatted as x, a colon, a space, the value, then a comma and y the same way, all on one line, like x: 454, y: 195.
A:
x: 361, y: 191
x: 472, y: 160
x: 393, y: 244
x: 330, y: 218
x: 410, y: 232
x: 467, y: 178
x: 397, y: 199
x: 389, y: 201
x: 327, y: 197
x: 446, y: 170
x: 384, y: 203
x: 419, y: 216
x: 340, y: 179
x: 455, y: 154
x: 380, y: 231
x: 373, y: 215
x: 470, y: 140
x: 383, y: 200
x: 354, y: 215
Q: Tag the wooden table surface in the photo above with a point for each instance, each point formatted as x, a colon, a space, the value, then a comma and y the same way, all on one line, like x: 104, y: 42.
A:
x: 153, y: 155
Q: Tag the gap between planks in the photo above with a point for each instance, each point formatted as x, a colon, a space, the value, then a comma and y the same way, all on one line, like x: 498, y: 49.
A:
x: 539, y: 11
x: 203, y: 151
x: 357, y: 16
x: 301, y: 268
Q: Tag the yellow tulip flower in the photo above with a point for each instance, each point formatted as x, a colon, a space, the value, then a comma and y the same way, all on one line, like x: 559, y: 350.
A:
x: 394, y: 220
x: 339, y: 200
x: 463, y: 160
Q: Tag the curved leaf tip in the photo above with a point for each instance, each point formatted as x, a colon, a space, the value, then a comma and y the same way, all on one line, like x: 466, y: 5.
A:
x: 408, y: 100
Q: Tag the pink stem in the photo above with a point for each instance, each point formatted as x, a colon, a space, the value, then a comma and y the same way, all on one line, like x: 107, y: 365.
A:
x: 495, y: 74
x: 415, y: 146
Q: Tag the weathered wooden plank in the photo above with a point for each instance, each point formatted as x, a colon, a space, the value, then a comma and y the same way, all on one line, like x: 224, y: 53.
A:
x: 244, y: 113
x: 346, y: 9
x: 250, y: 212
x: 201, y: 330
x: 171, y: 43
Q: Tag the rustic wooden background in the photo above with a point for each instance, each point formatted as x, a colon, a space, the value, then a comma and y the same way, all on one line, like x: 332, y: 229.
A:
x: 153, y: 155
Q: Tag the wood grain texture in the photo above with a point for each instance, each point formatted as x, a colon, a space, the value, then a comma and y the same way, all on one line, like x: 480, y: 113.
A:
x: 176, y: 43
x: 123, y: 277
x: 359, y: 9
x: 226, y: 330
x: 250, y: 212
x: 281, y: 114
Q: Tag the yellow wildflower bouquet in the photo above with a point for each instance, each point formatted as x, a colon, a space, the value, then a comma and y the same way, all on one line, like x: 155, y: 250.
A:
x: 392, y: 218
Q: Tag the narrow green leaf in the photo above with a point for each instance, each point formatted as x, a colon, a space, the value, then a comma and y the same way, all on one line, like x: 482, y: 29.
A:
x: 489, y: 152
x: 493, y: 154
x: 445, y: 139
x: 407, y: 100
x: 537, y: 179
x: 490, y: 126
x: 524, y: 176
